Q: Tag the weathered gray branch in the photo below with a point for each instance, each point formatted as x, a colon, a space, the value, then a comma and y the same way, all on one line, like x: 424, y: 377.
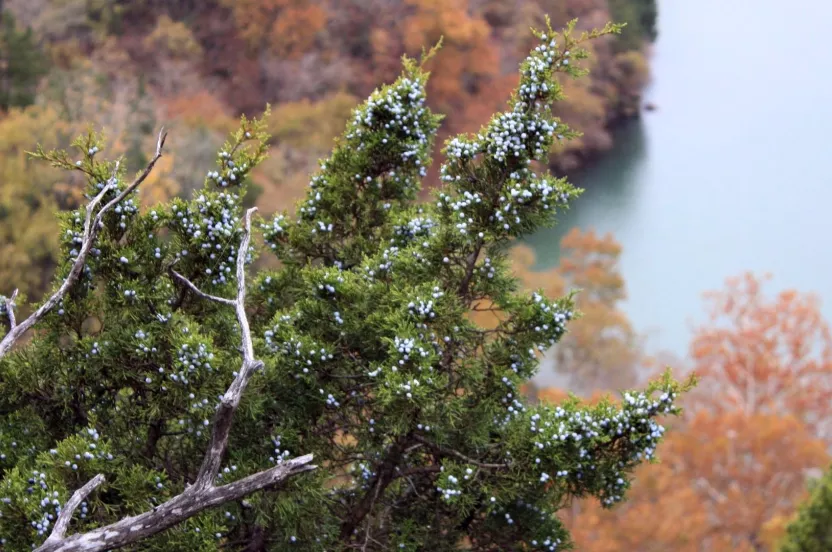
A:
x: 10, y: 309
x: 59, y: 530
x: 91, y: 228
x: 190, y: 285
x: 176, y: 510
x: 231, y: 399
x: 203, y: 494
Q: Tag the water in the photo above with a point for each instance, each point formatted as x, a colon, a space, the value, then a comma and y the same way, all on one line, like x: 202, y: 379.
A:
x: 731, y: 173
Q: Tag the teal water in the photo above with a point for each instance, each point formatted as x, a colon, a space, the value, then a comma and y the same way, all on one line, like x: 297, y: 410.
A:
x: 731, y: 173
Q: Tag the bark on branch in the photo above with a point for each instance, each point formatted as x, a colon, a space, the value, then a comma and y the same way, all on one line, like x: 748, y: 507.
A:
x: 203, y: 494
x: 91, y: 229
x: 69, y: 508
x: 385, y: 474
x: 190, y: 285
x: 10, y: 309
x: 231, y: 399
x: 176, y: 510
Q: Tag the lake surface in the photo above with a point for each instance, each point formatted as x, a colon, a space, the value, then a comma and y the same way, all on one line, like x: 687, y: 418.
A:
x: 731, y: 173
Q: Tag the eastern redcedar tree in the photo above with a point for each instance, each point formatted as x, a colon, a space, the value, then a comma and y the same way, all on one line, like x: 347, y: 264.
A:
x: 421, y: 436
x: 811, y: 530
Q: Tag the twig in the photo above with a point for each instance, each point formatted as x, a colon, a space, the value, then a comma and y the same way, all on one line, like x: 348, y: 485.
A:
x: 190, y: 285
x: 715, y: 495
x: 370, y: 520
x: 10, y: 309
x: 418, y: 470
x: 91, y: 228
x: 451, y: 452
x: 69, y: 508
x: 203, y: 493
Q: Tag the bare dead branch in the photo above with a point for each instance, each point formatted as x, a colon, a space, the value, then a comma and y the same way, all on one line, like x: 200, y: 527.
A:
x: 190, y: 285
x: 160, y: 144
x: 203, y: 494
x: 176, y: 510
x: 91, y: 228
x: 59, y: 530
x: 10, y: 309
x: 228, y: 405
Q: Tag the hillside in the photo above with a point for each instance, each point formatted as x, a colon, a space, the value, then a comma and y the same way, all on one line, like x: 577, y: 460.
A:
x: 130, y: 66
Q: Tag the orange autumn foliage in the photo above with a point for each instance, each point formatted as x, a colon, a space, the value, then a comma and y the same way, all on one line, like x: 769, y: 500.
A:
x: 286, y: 27
x: 766, y: 355
x: 731, y: 473
x: 590, y: 262
x: 466, y: 81
x: 724, y: 483
x: 200, y: 109
x: 601, y: 350
x: 555, y: 395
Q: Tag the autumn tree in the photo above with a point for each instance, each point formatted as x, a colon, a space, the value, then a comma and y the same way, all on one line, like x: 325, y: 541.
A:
x: 176, y: 54
x: 28, y: 200
x: 764, y: 354
x: 734, y: 470
x: 165, y: 385
x: 602, y: 351
x: 724, y: 483
x: 287, y: 27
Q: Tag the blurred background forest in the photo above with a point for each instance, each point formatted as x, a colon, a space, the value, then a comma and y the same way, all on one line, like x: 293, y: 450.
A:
x: 128, y: 66
x: 758, y: 429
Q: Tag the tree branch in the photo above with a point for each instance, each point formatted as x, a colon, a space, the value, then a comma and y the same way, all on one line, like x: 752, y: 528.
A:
x: 228, y: 405
x: 10, y: 309
x: 176, y: 510
x: 91, y: 228
x: 190, y: 285
x: 469, y: 269
x: 203, y: 493
x: 451, y: 452
x: 385, y: 475
x: 59, y: 530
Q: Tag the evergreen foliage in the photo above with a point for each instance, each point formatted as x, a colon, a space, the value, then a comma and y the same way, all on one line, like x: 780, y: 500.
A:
x: 811, y: 530
x: 22, y: 64
x: 641, y: 17
x: 372, y: 363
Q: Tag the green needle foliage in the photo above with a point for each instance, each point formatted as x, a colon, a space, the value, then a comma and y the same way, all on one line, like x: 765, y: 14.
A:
x: 414, y: 414
x: 811, y: 530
